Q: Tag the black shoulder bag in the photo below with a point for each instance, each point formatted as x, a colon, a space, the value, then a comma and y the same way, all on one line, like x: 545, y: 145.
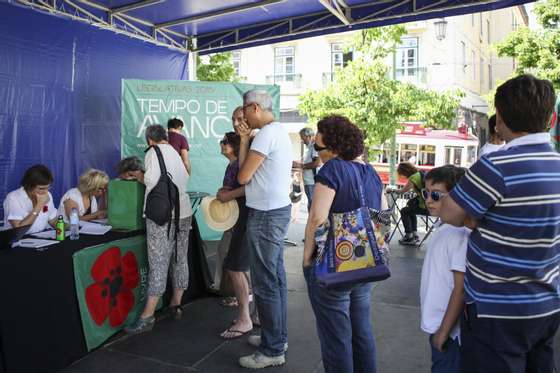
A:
x: 163, y: 199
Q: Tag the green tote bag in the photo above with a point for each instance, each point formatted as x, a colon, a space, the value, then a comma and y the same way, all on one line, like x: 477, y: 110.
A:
x: 126, y: 201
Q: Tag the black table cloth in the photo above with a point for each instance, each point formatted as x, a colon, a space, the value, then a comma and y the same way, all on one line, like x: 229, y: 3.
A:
x: 40, y: 324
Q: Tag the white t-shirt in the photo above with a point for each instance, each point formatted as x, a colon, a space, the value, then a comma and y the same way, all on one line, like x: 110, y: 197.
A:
x: 175, y: 168
x: 309, y: 174
x: 75, y: 195
x: 269, y: 188
x: 489, y: 148
x: 447, y: 251
x: 18, y: 205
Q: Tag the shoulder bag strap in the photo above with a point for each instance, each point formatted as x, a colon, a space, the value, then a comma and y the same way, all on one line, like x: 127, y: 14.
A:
x: 364, y: 211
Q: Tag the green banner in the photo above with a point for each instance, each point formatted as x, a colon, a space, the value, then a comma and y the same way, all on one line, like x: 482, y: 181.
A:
x: 111, y: 285
x: 204, y: 107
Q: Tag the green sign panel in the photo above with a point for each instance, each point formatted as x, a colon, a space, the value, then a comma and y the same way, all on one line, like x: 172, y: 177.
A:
x: 204, y: 107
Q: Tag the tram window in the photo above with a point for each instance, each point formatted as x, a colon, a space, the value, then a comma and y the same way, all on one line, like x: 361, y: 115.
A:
x: 408, y: 153
x: 453, y: 155
x: 427, y: 155
x: 471, y: 155
x: 385, y: 156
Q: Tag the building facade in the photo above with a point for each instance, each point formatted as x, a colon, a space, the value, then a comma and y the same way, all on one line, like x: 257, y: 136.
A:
x: 462, y: 59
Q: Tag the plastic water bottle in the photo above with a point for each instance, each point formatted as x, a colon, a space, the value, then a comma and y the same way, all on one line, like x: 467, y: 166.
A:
x: 74, y: 224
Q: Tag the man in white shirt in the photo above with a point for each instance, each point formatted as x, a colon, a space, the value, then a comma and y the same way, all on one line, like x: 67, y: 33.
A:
x: 495, y: 142
x: 309, y: 163
x: 265, y: 170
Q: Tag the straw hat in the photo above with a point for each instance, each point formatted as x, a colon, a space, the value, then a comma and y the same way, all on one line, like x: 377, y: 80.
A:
x: 220, y: 216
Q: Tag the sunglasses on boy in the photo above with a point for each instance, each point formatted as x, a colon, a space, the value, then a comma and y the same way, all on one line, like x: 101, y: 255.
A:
x: 434, y: 195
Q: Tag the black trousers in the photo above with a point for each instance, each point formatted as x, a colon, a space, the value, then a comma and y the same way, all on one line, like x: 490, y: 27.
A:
x: 408, y: 214
x: 491, y: 345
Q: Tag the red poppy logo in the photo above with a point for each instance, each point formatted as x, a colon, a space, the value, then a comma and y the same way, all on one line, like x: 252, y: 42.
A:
x: 111, y: 295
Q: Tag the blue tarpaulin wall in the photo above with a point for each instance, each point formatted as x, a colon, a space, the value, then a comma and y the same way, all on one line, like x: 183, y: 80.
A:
x: 60, y: 94
x: 60, y: 78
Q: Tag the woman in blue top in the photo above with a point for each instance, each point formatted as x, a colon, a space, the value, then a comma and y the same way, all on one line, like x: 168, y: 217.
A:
x: 343, y: 315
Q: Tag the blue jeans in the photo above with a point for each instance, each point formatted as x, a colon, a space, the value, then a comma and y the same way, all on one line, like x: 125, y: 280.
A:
x: 448, y: 361
x: 344, y: 325
x: 265, y: 239
x: 309, y: 193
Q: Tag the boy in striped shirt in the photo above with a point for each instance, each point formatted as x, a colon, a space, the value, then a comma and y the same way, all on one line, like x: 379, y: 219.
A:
x: 511, y: 280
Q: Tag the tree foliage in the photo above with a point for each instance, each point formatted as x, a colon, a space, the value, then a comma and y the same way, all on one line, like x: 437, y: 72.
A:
x: 365, y: 92
x: 537, y: 51
x: 216, y: 68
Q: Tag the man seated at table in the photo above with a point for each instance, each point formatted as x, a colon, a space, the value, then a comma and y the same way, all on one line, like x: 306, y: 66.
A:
x: 130, y: 168
x: 32, y: 204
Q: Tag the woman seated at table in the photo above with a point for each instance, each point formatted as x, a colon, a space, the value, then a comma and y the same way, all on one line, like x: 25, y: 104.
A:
x: 92, y: 185
x: 32, y: 204
x: 129, y: 168
x: 415, y: 206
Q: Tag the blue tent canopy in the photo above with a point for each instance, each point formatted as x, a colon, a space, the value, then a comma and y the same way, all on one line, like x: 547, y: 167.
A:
x: 209, y: 26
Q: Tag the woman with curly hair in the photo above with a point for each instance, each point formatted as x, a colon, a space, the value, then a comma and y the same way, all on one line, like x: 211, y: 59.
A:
x: 343, y: 315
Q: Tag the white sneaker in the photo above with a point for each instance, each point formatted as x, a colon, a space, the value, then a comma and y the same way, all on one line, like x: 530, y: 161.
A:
x: 258, y: 361
x: 255, y: 341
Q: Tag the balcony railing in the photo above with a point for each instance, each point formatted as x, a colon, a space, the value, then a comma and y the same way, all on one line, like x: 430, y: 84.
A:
x: 292, y: 80
x: 414, y: 75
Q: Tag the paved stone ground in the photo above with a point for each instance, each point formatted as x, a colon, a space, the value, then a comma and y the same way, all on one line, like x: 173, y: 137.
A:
x: 193, y: 345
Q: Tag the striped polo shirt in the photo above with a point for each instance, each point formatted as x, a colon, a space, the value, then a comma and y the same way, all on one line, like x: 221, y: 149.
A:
x: 513, y: 255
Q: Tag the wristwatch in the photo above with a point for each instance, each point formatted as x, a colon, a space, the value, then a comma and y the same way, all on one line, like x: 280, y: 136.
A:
x: 34, y: 213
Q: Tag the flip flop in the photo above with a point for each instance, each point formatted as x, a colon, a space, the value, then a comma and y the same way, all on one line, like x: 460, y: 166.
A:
x: 237, y: 333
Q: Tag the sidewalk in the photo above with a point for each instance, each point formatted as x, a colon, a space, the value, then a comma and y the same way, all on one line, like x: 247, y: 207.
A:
x: 193, y: 344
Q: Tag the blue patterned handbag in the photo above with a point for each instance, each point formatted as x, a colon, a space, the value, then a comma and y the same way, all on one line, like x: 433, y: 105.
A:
x: 347, y: 250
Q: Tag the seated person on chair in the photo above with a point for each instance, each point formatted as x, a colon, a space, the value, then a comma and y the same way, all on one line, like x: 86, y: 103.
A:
x: 92, y: 185
x: 32, y: 204
x: 415, y: 206
x: 129, y: 168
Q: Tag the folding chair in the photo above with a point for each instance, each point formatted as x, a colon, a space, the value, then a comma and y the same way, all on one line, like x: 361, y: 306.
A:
x: 393, y: 203
x: 430, y: 222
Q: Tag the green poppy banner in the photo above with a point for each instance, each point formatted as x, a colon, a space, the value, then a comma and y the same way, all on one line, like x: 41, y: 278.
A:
x: 111, y: 286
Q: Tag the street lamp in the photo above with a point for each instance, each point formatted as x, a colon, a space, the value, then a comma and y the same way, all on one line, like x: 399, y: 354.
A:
x: 441, y: 28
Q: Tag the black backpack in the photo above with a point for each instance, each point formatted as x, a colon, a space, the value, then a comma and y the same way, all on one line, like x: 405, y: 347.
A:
x: 163, y: 199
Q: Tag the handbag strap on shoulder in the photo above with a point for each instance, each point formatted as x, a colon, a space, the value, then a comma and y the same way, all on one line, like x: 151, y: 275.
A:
x: 360, y: 184
x: 161, y: 162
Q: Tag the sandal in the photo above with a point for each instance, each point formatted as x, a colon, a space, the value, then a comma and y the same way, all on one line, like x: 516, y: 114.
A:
x: 229, y: 302
x: 176, y: 312
x: 236, y: 333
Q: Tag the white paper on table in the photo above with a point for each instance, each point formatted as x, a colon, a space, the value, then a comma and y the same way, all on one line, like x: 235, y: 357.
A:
x: 93, y: 228
x: 100, y: 221
x: 34, y: 243
x: 49, y: 234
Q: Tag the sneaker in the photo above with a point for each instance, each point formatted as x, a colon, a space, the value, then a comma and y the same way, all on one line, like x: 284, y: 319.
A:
x: 255, y: 341
x: 411, y: 240
x: 259, y: 360
x: 141, y: 325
